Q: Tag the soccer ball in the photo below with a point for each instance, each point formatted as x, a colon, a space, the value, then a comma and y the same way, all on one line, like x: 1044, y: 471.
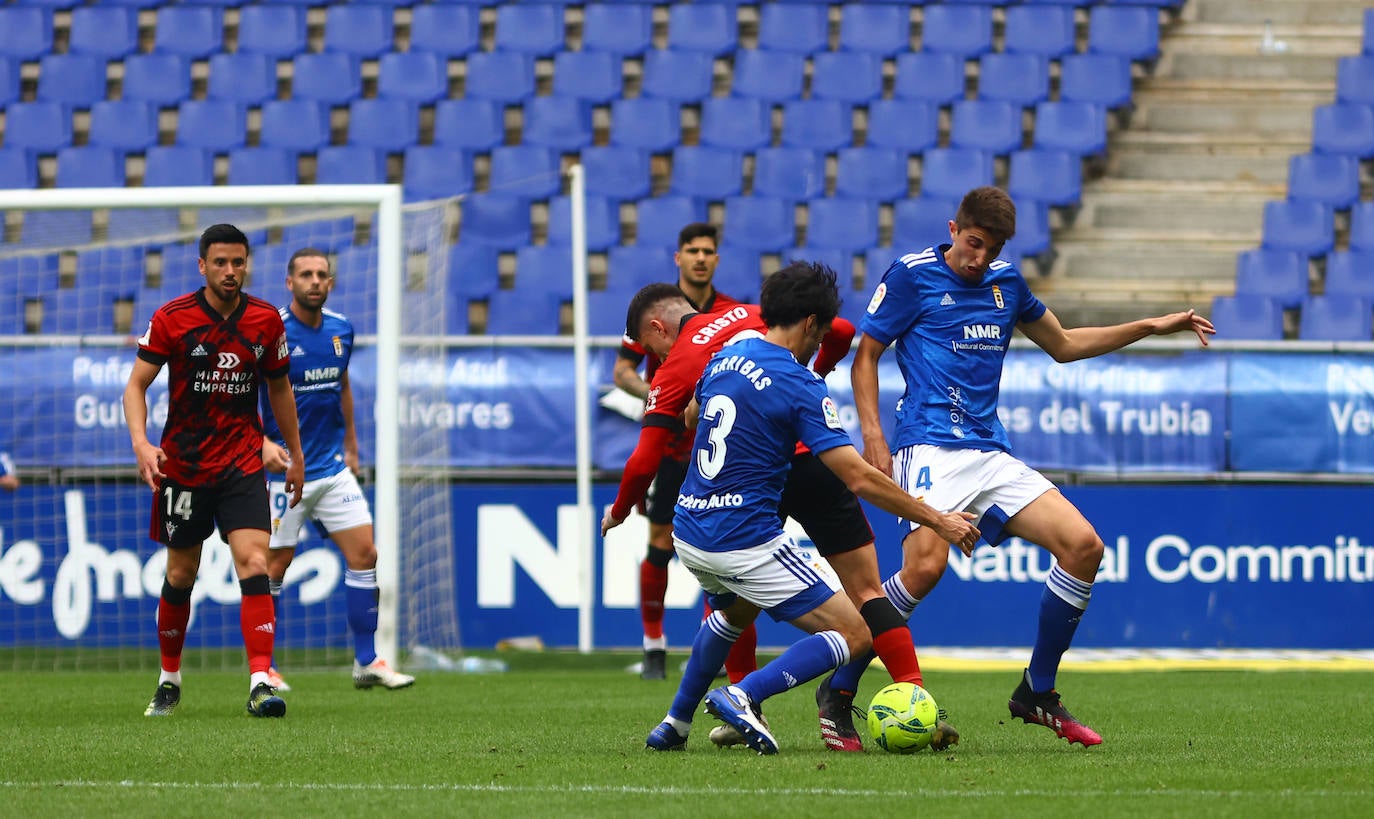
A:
x: 901, y: 718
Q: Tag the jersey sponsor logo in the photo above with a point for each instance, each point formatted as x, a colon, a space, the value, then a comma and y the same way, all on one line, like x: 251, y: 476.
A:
x: 947, y: 301
x: 338, y: 346
x: 879, y: 294
x: 982, y: 331
x: 709, y: 331
x: 200, y: 350
x: 322, y: 374
x: 831, y: 413
x: 729, y: 500
x: 997, y: 297
x: 228, y: 361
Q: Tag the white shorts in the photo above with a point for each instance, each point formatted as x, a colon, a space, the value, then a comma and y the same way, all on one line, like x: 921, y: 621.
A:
x: 994, y: 486
x: 779, y: 576
x: 337, y: 503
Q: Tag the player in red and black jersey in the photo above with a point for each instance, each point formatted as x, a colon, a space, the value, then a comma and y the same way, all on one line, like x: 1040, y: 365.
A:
x: 218, y: 343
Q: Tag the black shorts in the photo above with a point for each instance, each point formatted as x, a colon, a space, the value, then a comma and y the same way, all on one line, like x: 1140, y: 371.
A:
x: 824, y: 506
x: 663, y: 494
x: 184, y: 516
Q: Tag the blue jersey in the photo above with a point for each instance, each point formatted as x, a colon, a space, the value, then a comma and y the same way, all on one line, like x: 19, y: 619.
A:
x: 952, y: 337
x: 756, y: 403
x: 319, y: 360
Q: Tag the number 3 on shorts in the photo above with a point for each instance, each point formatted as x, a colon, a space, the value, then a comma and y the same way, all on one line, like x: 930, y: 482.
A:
x: 178, y: 502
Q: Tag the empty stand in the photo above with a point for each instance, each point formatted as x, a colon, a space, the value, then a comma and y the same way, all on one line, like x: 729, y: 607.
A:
x: 250, y: 79
x: 126, y: 125
x: 792, y: 174
x: 1043, y: 175
x: 25, y: 32
x: 932, y: 76
x: 735, y: 122
x: 361, y: 29
x: 1331, y: 179
x: 617, y: 29
x: 794, y: 28
x: 773, y: 76
x: 965, y: 31
x: 706, y: 172
x: 952, y: 172
x: 616, y: 172
x: 879, y: 29
x: 1344, y: 128
x: 77, y: 80
x: 842, y: 224
x: 496, y: 219
x: 706, y: 27
x: 469, y: 123
x: 1335, y: 318
x: 535, y: 29
x: 910, y: 126
x: 416, y: 76
x: 435, y: 172
x: 591, y: 76
x: 444, y: 29
x: 1045, y: 30
x: 1277, y: 274
x: 602, y: 222
x: 871, y: 173
x: 1245, y: 317
x: 106, y: 31
x: 42, y: 127
x: 659, y: 219
x: 178, y: 165
x: 1350, y: 273
x: 563, y: 123
x: 90, y: 167
x: 502, y: 76
x: 1302, y: 226
x: 679, y: 75
x: 160, y: 79
x: 275, y: 30
x: 823, y: 125
x: 331, y: 78
x: 986, y: 125
x: 350, y: 165
x: 849, y: 76
x: 529, y: 171
x: 195, y: 32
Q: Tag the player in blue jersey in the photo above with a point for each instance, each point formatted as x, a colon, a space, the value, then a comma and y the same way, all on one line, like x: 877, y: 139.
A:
x: 321, y: 343
x: 757, y: 400
x: 949, y: 311
x: 9, y: 479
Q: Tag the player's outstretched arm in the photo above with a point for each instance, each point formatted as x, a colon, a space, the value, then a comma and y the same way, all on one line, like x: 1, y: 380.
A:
x: 350, y: 441
x: 148, y: 457
x: 639, y: 472
x: 283, y: 403
x: 627, y: 377
x: 863, y: 377
x: 1086, y: 342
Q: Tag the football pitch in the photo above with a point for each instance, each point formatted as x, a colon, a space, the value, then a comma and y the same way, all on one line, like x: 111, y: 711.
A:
x: 563, y: 735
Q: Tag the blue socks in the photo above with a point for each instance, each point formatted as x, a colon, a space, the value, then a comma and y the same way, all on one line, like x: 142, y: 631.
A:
x: 712, y: 643
x: 1061, y: 607
x: 360, y: 590
x: 805, y: 660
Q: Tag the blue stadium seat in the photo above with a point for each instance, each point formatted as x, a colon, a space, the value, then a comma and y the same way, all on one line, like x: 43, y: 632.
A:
x: 589, y: 76
x: 18, y: 169
x: 1277, y: 274
x: 738, y: 273
x: 125, y: 125
x: 794, y: 29
x: 563, y: 123
x: 1032, y: 230
x: 180, y: 273
x: 682, y: 76
x: 23, y: 278
x: 535, y: 29
x: 1350, y: 273
x: 922, y: 221
x: 113, y: 269
x: 178, y: 165
x: 1124, y: 31
x: 1044, y: 30
x: 775, y: 76
x: 911, y: 126
x: 435, y: 172
x: 873, y: 173
x: 42, y: 127
x: 544, y: 270
x: 849, y: 76
x: 9, y: 80
x: 472, y: 270
x: 1023, y: 79
x: 842, y: 224
x: 362, y: 30
x: 621, y: 30
x: 986, y: 125
x: 1355, y: 80
x: 1102, y: 79
x: 1367, y: 41
x: 416, y: 76
x: 965, y: 31
x: 522, y: 313
x: 1343, y: 128
x: 602, y: 218
x: 330, y: 78
x: 496, y: 219
x: 1362, y: 226
x: 329, y: 235
x: 634, y: 266
x: 350, y: 165
x: 705, y: 27
x: 161, y: 79
x: 219, y: 125
x: 1078, y: 127
x: 648, y: 123
x: 735, y: 122
x: 90, y: 167
x: 477, y: 125
x: 194, y: 32
x: 79, y: 311
x: 617, y: 172
x: 262, y: 166
x: 606, y: 311
x: 932, y: 76
x: 760, y: 223
x: 502, y: 76
x: 1328, y: 178
x: 77, y: 80
x: 878, y: 29
x: 277, y: 31
x: 392, y: 125
x: 1246, y: 317
x: 659, y: 219
x: 529, y: 171
x: 706, y: 172
x: 250, y: 79
x: 823, y: 125
x: 105, y: 31
x: 56, y: 228
x: 443, y: 29
x: 839, y: 260
x: 1305, y: 227
x: 25, y: 32
x: 792, y: 174
x: 1335, y: 318
x: 1052, y: 177
x: 297, y: 125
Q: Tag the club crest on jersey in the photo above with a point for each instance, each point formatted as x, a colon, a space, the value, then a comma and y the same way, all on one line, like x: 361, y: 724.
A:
x: 879, y: 293
x: 257, y: 351
x: 997, y: 297
x: 338, y: 347
x: 831, y: 413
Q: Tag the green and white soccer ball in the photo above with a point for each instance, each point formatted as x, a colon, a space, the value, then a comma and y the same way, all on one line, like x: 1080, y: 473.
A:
x: 901, y: 718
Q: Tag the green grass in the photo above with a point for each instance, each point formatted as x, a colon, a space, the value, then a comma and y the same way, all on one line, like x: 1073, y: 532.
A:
x: 564, y: 736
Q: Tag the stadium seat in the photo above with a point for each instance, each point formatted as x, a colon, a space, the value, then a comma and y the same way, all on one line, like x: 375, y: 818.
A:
x: 113, y: 269
x: 389, y: 124
x: 41, y: 127
x: 435, y: 172
x: 634, y: 266
x: 706, y: 172
x: 496, y: 219
x: 849, y: 76
x: 161, y: 79
x: 1047, y: 31
x: 297, y: 125
x: 1032, y: 230
x: 705, y: 27
x: 529, y: 171
x: 562, y: 123
x: 839, y: 260
x: 760, y: 223
x: 105, y: 31
x: 18, y: 168
x: 986, y: 125
x: 823, y: 125
x: 1328, y: 178
x: 219, y: 125
x: 1367, y: 41
x: 275, y: 30
x: 76, y: 80
x: 921, y: 222
x: 1277, y: 274
x: 1246, y: 317
x: 1362, y: 226
x: 1124, y: 31
x: 842, y: 224
x: 472, y: 270
x: 1052, y: 177
x: 1102, y: 79
x: 873, y: 173
x: 617, y: 172
x: 791, y: 174
x: 9, y: 80
x: 350, y: 165
x: 877, y: 29
x: 544, y: 270
x: 647, y: 123
x: 1021, y: 79
x: 659, y: 219
x: 681, y: 76
x: 194, y: 32
x: 735, y: 122
x: 1343, y: 128
x: 178, y: 165
x: 125, y: 125
x: 249, y: 79
x: 606, y: 312
x: 910, y: 126
x: 502, y: 76
x: 180, y: 273
x: 262, y: 166
x: 794, y: 29
x: 589, y: 76
x: 931, y: 76
x: 625, y: 31
x: 447, y: 30
x: 416, y: 76
x: 1335, y: 318
x: 79, y: 311
x: 477, y: 125
x: 522, y: 313
x: 952, y: 172
x: 535, y: 29
x: 1350, y: 273
x: 602, y: 222
x: 1305, y: 227
x: 25, y: 32
x: 329, y: 235
x: 965, y: 31
x: 1077, y: 127
x: 330, y: 78
x: 56, y: 228
x: 90, y: 167
x: 774, y: 76
x: 363, y: 30
x: 738, y: 274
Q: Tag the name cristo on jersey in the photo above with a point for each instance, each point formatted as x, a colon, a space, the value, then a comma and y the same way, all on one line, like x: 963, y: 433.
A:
x: 706, y: 332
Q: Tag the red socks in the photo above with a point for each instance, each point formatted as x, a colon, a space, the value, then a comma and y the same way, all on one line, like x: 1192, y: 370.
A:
x: 898, y: 653
x: 653, y: 586
x: 259, y: 625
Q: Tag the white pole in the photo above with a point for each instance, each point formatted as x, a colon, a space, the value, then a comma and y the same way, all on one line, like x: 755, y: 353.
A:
x: 387, y: 491
x: 582, y: 412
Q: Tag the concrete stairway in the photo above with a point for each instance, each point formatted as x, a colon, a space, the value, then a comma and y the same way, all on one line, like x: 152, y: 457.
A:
x: 1207, y: 145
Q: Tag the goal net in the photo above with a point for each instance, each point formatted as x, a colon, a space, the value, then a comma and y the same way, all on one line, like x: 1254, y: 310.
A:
x: 81, y: 273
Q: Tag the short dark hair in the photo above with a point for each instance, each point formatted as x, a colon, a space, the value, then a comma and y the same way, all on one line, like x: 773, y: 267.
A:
x: 799, y: 290
x: 988, y: 208
x: 222, y: 235
x: 698, y: 230
x: 643, y: 301
x: 312, y: 252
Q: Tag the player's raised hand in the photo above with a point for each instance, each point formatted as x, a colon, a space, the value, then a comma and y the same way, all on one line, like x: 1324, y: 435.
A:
x: 150, y: 460
x: 610, y: 522
x: 295, y: 481
x: 1188, y: 320
x: 957, y: 528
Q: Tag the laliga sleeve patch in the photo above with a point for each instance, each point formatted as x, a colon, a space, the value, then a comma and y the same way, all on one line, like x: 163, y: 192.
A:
x: 878, y: 295
x: 831, y: 412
